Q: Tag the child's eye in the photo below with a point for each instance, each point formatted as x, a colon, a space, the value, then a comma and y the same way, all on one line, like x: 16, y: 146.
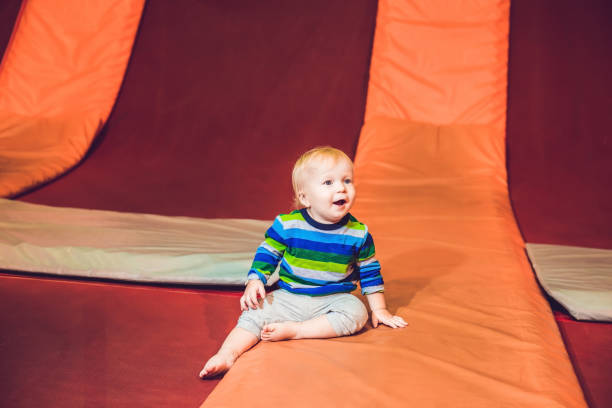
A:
x: 327, y: 182
x: 348, y: 181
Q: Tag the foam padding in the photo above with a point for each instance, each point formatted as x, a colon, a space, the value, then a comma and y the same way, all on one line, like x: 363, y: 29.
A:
x: 588, y: 344
x: 440, y: 62
x: 579, y: 278
x: 90, y: 344
x: 59, y: 78
x: 126, y: 246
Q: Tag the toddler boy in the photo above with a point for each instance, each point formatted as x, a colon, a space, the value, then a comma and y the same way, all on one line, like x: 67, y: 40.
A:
x: 323, y: 251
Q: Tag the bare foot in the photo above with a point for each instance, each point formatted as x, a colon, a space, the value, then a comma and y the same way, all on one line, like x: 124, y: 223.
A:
x: 279, y: 331
x: 217, y: 364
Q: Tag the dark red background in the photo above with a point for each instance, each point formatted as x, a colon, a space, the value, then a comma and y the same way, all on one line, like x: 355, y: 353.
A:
x: 219, y: 99
x: 8, y: 15
x: 559, y: 135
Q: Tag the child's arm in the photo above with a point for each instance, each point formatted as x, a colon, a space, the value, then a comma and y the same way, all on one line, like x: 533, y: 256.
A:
x: 267, y: 257
x: 372, y: 286
x: 380, y: 314
x: 269, y: 253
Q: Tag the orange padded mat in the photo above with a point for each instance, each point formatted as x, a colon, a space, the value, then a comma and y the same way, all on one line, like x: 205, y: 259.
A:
x: 480, y: 333
x: 59, y: 78
x: 440, y: 62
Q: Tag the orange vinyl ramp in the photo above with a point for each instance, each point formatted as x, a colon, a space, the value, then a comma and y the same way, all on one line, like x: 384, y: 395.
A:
x: 59, y: 78
x: 431, y: 181
x: 480, y: 333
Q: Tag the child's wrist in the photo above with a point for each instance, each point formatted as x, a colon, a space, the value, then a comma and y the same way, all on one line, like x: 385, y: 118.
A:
x: 251, y: 280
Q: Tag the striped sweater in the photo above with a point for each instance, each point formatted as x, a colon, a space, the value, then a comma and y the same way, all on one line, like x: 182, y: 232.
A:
x: 318, y: 259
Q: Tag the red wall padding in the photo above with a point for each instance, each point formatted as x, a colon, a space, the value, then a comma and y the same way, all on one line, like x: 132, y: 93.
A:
x: 219, y: 99
x: 9, y: 9
x: 559, y: 121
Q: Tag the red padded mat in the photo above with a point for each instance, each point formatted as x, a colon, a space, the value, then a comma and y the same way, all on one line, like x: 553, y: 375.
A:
x: 588, y: 345
x: 69, y: 343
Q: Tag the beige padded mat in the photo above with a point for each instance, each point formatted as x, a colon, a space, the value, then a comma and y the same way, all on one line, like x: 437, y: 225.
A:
x: 140, y: 247
x: 578, y: 278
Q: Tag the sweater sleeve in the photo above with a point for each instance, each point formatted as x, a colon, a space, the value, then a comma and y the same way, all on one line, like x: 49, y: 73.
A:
x: 269, y: 253
x: 370, y: 279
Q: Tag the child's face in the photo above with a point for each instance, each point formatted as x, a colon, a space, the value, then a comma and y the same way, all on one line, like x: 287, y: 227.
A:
x: 327, y: 190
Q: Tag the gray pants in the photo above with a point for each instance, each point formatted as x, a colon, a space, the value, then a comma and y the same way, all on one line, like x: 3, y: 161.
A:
x: 345, y: 312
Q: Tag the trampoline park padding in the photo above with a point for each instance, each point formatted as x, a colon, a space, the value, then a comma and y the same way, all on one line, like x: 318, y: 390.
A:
x: 126, y: 246
x: 451, y: 58
x: 71, y: 343
x: 579, y: 278
x: 435, y: 197
x: 59, y: 78
x: 480, y: 333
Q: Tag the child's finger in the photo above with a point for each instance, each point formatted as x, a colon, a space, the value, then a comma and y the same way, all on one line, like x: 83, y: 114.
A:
x: 253, y: 300
x: 247, y: 298
x: 262, y: 292
x: 249, y: 302
x: 391, y: 324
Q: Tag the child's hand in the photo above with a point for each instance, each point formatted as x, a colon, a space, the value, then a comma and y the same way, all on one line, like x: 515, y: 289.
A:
x: 249, y: 298
x: 383, y: 316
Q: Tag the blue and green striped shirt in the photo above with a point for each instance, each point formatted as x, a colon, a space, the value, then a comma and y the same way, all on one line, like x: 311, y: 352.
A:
x: 318, y: 259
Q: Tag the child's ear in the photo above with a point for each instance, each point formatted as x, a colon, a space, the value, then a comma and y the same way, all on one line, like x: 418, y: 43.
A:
x: 303, y: 199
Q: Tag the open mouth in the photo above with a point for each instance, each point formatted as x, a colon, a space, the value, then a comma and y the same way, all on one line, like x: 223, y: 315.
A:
x: 340, y: 202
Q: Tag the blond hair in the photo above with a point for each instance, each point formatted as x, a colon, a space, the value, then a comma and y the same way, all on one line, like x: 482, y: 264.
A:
x: 316, y: 154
